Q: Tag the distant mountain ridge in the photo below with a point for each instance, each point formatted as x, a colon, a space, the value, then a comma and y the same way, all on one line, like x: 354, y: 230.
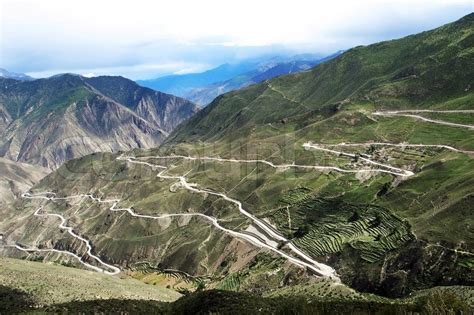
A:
x: 16, y: 76
x: 49, y: 121
x: 202, y: 88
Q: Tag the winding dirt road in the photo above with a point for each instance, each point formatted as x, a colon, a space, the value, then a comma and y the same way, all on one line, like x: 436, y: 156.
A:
x: 319, y: 268
x: 402, y: 145
x: 385, y: 167
x: 39, y: 212
x: 306, y: 261
x: 411, y: 113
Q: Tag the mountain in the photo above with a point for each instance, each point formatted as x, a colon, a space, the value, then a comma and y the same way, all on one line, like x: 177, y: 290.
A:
x: 355, y: 175
x: 418, y: 71
x: 49, y: 121
x: 268, y: 70
x: 16, y: 76
x: 404, y: 103
x: 202, y: 88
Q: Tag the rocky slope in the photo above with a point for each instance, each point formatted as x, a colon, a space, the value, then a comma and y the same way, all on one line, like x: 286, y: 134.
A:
x: 49, y: 121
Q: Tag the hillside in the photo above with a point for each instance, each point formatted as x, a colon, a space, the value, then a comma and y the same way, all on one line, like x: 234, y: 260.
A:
x: 391, y: 103
x: 359, y: 171
x: 49, y: 121
x: 47, y: 284
x: 433, y: 69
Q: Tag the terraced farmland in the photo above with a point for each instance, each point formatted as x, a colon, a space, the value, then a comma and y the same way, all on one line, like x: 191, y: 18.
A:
x: 230, y: 283
x: 326, y: 227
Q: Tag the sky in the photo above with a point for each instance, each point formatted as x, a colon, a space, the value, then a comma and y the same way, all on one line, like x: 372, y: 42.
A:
x: 143, y: 39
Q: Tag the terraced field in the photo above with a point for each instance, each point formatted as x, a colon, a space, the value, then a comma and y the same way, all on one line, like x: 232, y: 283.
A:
x: 231, y: 283
x: 323, y: 227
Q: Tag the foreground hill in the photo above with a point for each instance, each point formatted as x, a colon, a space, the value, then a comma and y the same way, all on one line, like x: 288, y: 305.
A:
x: 32, y: 287
x: 359, y: 171
x: 46, y: 284
x: 49, y: 121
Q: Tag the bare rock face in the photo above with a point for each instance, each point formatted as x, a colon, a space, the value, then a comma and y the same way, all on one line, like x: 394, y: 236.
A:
x: 49, y: 121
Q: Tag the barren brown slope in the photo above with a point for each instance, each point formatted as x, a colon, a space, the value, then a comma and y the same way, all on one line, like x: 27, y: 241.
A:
x: 49, y: 121
x: 15, y: 178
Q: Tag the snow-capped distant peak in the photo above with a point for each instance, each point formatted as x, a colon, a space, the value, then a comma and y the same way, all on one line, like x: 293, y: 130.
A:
x: 16, y: 76
x: 89, y: 75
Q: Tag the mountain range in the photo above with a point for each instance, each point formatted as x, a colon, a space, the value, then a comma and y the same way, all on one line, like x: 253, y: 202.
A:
x: 202, y: 88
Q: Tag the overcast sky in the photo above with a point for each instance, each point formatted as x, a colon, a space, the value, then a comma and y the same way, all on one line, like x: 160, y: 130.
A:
x: 144, y: 39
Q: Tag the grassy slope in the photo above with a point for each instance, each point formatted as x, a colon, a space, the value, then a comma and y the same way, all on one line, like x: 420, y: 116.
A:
x: 33, y: 287
x: 424, y: 70
x: 53, y: 284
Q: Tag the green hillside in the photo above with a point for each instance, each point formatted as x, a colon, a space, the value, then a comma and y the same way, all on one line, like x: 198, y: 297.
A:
x: 433, y: 69
x: 428, y: 214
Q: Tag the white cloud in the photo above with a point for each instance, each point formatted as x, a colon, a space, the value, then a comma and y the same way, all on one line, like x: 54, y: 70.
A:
x: 142, y: 70
x: 88, y: 74
x: 40, y: 35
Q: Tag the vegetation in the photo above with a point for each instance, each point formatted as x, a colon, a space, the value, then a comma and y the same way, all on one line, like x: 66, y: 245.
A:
x: 40, y: 284
x: 226, y: 302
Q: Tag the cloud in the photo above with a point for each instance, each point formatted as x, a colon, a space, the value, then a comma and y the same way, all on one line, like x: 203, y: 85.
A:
x: 131, y: 71
x: 133, y: 37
